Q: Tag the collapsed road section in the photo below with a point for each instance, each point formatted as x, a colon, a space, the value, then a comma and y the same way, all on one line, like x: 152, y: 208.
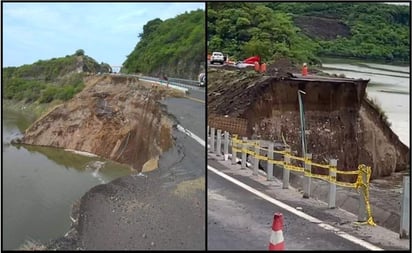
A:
x: 340, y: 122
x: 159, y: 206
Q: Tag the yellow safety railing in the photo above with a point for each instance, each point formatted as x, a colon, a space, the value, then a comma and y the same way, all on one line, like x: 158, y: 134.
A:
x: 363, y: 172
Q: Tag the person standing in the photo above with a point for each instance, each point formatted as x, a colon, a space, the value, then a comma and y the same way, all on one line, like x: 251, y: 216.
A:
x: 257, y: 66
x: 304, y: 69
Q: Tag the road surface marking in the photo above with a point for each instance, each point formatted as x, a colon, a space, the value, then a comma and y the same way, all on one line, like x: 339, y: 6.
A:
x: 190, y: 134
x: 195, y: 99
x: 320, y: 223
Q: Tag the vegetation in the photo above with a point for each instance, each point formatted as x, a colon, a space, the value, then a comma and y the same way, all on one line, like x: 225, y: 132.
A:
x: 174, y: 47
x: 376, y: 31
x: 245, y: 29
x: 48, y: 80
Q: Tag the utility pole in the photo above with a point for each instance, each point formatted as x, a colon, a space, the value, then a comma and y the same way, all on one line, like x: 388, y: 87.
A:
x: 302, y: 122
x: 308, y: 168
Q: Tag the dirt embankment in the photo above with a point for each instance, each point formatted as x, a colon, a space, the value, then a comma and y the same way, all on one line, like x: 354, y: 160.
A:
x: 321, y: 27
x: 338, y: 123
x: 115, y: 117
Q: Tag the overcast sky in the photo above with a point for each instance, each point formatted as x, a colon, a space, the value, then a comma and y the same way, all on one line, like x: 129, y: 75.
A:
x: 107, y: 32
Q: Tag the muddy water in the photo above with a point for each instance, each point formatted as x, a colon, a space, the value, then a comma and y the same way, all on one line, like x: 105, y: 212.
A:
x: 388, y: 87
x: 40, y: 184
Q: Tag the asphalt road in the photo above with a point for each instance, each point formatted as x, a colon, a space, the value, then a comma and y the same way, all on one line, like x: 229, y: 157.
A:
x: 199, y: 95
x: 163, y: 209
x: 240, y: 220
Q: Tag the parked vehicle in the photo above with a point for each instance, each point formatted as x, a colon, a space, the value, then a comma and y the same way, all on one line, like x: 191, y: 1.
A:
x: 217, y: 57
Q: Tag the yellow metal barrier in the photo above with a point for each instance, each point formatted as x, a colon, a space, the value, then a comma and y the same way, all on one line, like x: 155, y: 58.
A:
x: 243, y: 147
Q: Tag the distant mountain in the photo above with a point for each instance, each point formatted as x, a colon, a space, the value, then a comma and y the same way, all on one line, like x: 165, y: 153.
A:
x: 174, y: 47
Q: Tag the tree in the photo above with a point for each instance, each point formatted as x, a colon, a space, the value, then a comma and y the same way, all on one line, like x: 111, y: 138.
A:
x: 79, y: 52
x: 261, y: 48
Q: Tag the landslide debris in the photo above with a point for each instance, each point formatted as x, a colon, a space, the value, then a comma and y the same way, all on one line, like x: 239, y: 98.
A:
x: 115, y: 117
x: 339, y: 121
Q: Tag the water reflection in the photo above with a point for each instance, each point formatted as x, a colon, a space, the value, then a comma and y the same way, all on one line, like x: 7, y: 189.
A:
x: 388, y: 86
x: 41, y: 183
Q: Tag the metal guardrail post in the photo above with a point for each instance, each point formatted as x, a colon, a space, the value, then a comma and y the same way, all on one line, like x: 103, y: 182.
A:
x: 212, y: 140
x: 362, y: 214
x: 256, y: 161
x: 219, y: 143
x: 405, y: 209
x: 269, y: 169
x: 244, y: 146
x: 332, y: 186
x: 307, y: 179
x: 234, y: 153
x: 226, y: 145
x: 286, y: 172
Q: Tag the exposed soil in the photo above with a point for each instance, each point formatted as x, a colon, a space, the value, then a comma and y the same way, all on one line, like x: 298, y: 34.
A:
x: 115, y: 117
x: 281, y: 67
x: 122, y: 119
x: 322, y: 28
x: 338, y: 122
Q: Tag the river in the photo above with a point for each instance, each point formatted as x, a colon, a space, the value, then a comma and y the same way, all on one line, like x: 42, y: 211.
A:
x: 388, y: 87
x: 40, y: 184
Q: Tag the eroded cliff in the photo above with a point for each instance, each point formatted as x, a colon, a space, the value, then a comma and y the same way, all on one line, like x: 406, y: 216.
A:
x: 115, y: 117
x: 339, y: 122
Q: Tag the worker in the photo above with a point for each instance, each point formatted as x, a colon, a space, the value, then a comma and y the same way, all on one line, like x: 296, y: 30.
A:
x: 304, y: 70
x: 263, y: 68
x: 257, y: 66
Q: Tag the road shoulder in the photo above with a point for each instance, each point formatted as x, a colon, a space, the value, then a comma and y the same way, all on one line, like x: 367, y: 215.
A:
x: 338, y: 217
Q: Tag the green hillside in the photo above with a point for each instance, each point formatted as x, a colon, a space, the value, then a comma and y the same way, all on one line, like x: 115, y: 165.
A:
x: 174, y: 47
x: 48, y: 80
x: 307, y: 31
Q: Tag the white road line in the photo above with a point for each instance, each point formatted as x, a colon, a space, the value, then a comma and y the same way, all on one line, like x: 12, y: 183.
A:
x: 320, y: 223
x: 195, y: 137
x: 303, y: 215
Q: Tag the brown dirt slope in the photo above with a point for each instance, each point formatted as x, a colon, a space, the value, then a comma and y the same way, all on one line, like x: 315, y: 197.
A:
x: 338, y: 123
x: 322, y: 28
x: 115, y: 117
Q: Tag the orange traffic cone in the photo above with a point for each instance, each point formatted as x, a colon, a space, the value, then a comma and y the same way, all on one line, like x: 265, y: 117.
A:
x: 276, y: 238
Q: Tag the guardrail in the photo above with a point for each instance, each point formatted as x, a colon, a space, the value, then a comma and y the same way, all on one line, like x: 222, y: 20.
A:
x: 185, y: 81
x: 163, y: 82
x: 174, y: 82
x: 254, y: 149
x: 177, y: 83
